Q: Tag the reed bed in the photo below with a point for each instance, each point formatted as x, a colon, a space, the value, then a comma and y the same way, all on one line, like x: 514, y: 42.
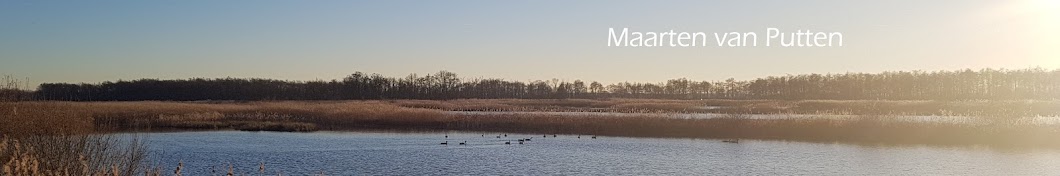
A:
x: 840, y: 107
x: 73, y: 155
x: 300, y: 116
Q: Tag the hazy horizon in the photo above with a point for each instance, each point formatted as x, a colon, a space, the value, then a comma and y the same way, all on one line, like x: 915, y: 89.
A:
x: 110, y: 40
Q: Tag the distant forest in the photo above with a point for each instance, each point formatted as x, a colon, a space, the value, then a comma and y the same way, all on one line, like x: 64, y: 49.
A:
x: 904, y: 85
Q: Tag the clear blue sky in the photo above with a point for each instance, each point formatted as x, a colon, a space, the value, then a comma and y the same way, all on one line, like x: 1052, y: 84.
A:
x: 93, y: 41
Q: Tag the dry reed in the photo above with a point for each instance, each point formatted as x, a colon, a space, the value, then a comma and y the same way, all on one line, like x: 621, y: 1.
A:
x: 868, y: 127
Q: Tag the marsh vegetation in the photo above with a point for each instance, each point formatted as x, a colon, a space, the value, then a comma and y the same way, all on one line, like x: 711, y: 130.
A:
x: 996, y: 126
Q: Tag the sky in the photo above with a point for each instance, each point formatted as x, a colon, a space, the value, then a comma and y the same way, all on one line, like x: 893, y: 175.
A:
x: 95, y: 41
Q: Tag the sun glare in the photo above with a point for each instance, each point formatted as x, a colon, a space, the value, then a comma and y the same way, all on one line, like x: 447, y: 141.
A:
x: 1028, y: 29
x: 1044, y: 19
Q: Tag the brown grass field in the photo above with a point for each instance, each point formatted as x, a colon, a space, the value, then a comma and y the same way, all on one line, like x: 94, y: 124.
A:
x: 858, y: 107
x: 68, y: 138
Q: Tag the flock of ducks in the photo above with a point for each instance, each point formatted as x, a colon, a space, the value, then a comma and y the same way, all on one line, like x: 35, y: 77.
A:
x: 523, y: 140
x: 509, y: 142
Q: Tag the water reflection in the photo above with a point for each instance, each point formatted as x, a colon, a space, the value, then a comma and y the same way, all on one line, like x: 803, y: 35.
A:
x: 364, y: 153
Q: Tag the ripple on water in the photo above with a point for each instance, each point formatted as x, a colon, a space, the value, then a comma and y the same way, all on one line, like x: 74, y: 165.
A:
x: 361, y: 153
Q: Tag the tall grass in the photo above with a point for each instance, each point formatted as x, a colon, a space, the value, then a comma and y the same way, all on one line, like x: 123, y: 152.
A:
x: 72, y: 155
x: 41, y: 139
x: 855, y: 107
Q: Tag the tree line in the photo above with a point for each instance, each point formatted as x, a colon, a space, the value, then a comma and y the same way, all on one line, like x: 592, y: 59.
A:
x: 983, y: 84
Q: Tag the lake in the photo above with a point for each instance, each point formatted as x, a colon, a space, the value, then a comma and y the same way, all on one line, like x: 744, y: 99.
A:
x: 385, y: 153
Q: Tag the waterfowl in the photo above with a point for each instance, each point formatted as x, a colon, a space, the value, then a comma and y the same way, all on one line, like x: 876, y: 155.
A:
x: 463, y: 143
x: 520, y: 142
x: 553, y: 135
x: 509, y: 142
x: 594, y: 136
x: 528, y: 139
x: 445, y: 143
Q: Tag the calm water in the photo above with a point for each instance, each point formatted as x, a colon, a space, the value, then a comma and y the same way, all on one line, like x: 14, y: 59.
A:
x: 363, y: 153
